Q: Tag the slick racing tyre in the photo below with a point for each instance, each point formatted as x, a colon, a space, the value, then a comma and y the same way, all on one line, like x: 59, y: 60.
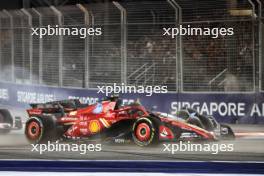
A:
x: 145, y: 131
x: 40, y: 130
x: 5, y: 117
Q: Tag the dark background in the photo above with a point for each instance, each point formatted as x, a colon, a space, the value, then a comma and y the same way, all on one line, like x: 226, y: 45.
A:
x: 17, y: 4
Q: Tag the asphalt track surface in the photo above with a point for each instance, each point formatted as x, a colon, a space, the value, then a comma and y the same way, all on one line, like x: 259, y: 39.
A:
x: 246, y: 148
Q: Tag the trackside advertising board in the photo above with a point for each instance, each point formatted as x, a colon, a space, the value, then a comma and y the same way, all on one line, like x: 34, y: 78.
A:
x: 245, y: 108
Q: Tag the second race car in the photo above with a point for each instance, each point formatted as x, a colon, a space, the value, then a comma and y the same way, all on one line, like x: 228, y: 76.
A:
x: 8, y: 122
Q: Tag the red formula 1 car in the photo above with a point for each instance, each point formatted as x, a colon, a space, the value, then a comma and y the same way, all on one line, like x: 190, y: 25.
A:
x: 110, y: 120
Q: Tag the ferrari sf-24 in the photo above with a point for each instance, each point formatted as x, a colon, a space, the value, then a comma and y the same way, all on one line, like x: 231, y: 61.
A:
x: 110, y: 120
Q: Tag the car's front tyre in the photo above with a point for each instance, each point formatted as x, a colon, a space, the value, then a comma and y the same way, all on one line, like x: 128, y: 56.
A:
x: 145, y: 131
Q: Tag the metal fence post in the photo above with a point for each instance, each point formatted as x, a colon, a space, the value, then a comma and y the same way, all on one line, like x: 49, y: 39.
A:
x: 123, y: 42
x: 253, y: 42
x: 40, y: 49
x: 21, y: 27
x: 92, y: 24
x: 60, y: 21
x: 0, y: 42
x: 176, y: 21
x: 178, y: 16
x: 260, y: 44
x: 87, y: 49
x: 30, y: 43
x: 12, y: 45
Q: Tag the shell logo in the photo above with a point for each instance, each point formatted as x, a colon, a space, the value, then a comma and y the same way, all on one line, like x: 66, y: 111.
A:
x: 94, y: 126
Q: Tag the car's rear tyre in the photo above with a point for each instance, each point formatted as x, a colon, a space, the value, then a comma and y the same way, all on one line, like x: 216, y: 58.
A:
x: 207, y: 122
x: 40, y: 130
x: 145, y: 131
x: 5, y: 117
